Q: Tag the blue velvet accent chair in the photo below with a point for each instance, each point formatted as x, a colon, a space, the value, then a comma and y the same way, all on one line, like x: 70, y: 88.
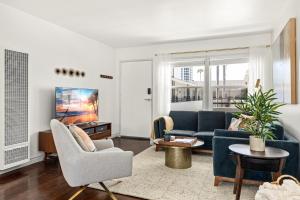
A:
x: 224, y: 164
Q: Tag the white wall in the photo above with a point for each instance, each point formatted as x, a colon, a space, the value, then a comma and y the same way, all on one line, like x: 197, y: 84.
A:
x: 50, y: 46
x: 289, y: 11
x: 291, y: 113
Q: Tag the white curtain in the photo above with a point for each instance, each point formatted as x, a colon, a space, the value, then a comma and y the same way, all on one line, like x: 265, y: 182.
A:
x: 162, y: 85
x: 208, y: 91
x: 260, y: 67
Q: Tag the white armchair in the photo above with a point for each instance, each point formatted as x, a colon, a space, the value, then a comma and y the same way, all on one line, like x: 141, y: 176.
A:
x: 81, y: 168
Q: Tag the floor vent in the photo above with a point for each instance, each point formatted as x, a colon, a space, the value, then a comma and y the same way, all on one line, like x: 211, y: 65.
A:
x: 16, y: 155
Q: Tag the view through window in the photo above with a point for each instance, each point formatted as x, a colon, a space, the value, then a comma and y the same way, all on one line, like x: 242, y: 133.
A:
x: 227, y: 84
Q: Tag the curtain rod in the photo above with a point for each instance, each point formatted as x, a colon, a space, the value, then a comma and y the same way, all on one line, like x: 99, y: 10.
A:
x: 206, y: 51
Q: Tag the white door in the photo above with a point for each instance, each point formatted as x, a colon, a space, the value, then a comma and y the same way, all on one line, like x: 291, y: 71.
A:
x: 136, y: 98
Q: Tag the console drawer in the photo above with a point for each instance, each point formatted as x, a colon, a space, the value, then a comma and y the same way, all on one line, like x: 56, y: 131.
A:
x: 89, y: 130
x: 101, y: 128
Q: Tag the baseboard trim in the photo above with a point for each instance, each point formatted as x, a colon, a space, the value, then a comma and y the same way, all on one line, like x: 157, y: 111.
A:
x: 115, y: 135
x: 34, y: 160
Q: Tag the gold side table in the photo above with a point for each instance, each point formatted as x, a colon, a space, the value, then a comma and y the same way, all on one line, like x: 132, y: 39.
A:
x: 178, y: 157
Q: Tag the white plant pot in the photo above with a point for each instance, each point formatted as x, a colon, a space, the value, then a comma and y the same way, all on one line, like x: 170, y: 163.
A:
x: 257, y: 144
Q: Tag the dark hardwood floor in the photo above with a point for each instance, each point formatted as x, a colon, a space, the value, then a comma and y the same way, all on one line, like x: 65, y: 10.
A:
x: 44, y: 180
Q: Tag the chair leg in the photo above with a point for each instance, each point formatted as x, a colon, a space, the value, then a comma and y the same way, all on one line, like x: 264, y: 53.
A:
x: 217, y: 181
x: 111, y: 195
x: 78, y: 192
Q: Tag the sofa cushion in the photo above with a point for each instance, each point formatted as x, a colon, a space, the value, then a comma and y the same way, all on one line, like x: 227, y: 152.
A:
x: 206, y: 137
x: 181, y: 133
x: 204, y: 134
x: 210, y: 120
x: 185, y: 120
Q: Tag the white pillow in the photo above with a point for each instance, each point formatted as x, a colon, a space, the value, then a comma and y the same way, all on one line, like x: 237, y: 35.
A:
x: 234, y: 125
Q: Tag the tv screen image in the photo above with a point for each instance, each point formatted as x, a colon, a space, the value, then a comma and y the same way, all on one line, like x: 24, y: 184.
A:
x: 76, y: 105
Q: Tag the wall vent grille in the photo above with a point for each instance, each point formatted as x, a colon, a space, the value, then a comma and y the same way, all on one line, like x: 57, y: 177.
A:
x: 16, y: 101
x: 16, y: 155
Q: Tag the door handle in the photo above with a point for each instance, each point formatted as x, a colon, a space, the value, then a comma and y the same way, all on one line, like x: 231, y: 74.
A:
x: 147, y: 99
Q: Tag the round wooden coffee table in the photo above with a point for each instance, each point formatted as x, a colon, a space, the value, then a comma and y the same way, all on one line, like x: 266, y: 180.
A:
x: 271, y: 160
x: 178, y: 157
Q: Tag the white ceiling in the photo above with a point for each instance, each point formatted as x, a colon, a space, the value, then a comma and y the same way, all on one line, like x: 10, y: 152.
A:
x: 123, y: 23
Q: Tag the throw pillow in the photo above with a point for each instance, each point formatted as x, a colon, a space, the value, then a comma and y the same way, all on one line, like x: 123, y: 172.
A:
x: 169, y: 123
x: 82, y: 138
x: 244, y: 118
x: 234, y: 125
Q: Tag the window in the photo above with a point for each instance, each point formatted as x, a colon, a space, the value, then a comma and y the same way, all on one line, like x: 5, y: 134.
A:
x: 229, y: 84
x: 187, y: 88
x: 209, y: 84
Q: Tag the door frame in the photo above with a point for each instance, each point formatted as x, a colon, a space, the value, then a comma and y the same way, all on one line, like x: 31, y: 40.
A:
x: 120, y: 90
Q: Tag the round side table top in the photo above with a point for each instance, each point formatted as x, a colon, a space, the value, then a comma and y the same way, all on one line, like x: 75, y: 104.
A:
x: 269, y: 153
x: 197, y: 144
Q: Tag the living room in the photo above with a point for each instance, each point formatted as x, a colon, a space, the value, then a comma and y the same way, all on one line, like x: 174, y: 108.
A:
x: 158, y: 83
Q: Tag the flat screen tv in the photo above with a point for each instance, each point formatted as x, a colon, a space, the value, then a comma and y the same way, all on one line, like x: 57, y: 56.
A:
x: 76, y: 105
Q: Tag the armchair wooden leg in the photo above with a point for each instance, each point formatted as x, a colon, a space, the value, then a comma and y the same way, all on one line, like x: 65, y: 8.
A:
x: 78, y: 192
x: 217, y: 181
x: 111, y: 195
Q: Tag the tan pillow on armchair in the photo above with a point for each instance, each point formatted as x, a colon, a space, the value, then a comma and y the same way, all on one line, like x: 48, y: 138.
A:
x: 82, y: 138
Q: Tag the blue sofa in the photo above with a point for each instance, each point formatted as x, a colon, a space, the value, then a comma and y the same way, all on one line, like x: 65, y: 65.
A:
x: 223, y: 162
x: 194, y: 124
x: 199, y: 124
x: 211, y: 127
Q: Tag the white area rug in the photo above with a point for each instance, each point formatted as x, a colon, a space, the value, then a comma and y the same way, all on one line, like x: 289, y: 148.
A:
x: 153, y: 180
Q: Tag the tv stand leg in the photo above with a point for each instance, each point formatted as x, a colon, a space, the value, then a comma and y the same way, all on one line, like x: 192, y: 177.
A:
x: 46, y: 156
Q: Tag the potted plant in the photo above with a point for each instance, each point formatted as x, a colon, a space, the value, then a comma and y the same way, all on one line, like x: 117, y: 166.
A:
x: 259, y: 112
